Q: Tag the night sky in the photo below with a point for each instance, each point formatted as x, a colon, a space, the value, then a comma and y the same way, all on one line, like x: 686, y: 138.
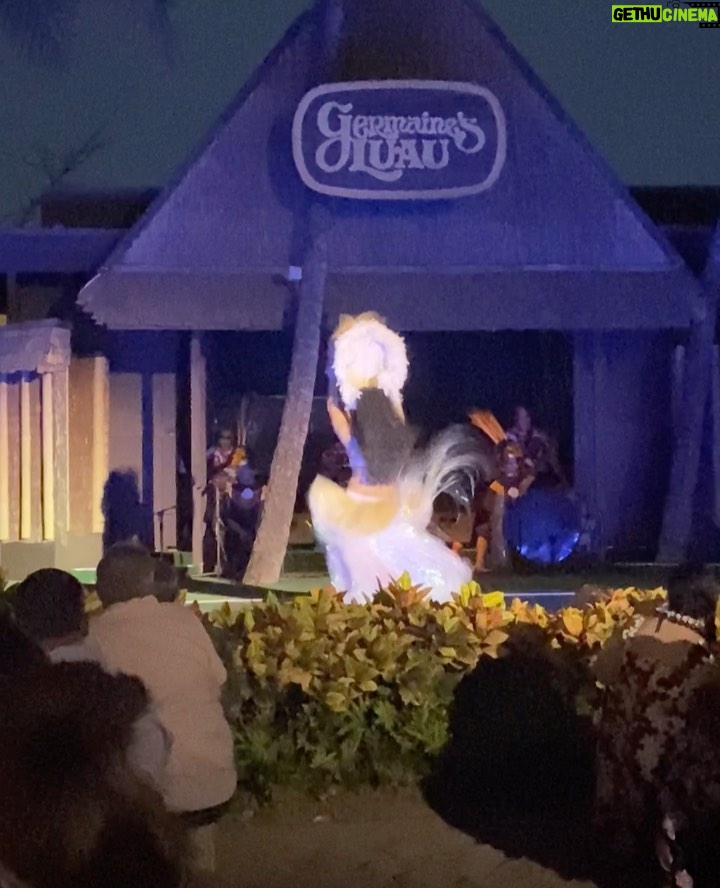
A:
x: 645, y: 96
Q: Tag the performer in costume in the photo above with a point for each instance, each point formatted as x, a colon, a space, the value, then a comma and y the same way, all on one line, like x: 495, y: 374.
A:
x: 540, y: 450
x: 377, y: 528
x: 512, y: 478
x: 224, y: 461
x: 225, y: 456
x: 547, y: 516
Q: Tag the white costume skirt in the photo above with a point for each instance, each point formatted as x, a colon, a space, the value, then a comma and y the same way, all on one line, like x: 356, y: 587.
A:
x: 369, y: 542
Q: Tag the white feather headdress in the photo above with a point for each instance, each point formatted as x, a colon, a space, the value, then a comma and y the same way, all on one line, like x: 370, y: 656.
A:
x: 367, y: 354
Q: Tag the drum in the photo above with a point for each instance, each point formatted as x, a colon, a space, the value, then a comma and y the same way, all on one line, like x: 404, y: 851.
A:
x: 543, y: 526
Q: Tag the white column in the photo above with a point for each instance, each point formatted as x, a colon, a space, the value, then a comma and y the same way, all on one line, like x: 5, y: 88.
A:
x: 25, y: 461
x: 61, y: 453
x: 48, y: 457
x: 4, y: 462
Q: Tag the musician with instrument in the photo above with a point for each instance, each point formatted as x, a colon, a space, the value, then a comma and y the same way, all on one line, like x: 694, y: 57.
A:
x: 224, y: 460
x: 523, y: 454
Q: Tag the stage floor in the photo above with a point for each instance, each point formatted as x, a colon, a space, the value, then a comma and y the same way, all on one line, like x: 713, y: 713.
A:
x: 550, y: 599
x: 550, y: 588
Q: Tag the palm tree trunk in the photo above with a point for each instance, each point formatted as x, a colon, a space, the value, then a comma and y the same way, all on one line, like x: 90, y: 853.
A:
x: 678, y: 512
x: 273, y: 534
x: 271, y: 543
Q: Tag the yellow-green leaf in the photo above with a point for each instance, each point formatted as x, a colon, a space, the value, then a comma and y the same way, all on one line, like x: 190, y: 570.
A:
x: 493, y: 599
x: 336, y: 702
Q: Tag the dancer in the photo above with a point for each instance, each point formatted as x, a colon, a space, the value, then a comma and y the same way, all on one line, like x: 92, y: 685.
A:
x: 377, y: 529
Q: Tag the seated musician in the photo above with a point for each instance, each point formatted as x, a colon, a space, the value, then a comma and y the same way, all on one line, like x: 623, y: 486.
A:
x: 540, y: 452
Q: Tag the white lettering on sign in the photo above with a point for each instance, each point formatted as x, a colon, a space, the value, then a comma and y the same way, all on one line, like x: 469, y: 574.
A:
x: 342, y: 143
x: 378, y: 145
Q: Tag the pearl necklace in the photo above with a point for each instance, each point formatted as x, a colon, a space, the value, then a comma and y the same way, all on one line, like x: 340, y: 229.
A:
x: 672, y: 616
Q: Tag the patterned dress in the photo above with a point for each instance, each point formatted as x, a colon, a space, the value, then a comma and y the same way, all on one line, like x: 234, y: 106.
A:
x: 657, y: 757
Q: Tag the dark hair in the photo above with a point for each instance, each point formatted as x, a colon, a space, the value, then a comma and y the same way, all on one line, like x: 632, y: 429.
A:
x: 50, y: 603
x: 166, y: 582
x: 693, y: 591
x: 17, y: 651
x: 125, y: 572
x: 65, y: 735
x: 384, y: 439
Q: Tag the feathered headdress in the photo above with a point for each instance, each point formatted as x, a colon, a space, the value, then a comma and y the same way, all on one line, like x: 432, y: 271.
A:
x: 368, y: 354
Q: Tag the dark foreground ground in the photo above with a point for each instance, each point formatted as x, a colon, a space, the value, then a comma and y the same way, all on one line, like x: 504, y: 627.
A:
x: 371, y: 840
x: 508, y: 803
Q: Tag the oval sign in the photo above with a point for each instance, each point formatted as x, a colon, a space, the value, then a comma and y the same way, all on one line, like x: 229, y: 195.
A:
x: 399, y: 140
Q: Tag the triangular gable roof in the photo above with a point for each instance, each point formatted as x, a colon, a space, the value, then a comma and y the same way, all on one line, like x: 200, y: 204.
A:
x: 236, y: 207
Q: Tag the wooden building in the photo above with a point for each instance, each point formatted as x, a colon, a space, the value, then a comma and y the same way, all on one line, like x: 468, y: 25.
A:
x: 546, y: 239
x: 53, y: 449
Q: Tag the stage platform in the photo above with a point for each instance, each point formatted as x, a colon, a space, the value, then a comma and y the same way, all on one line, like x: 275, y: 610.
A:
x: 551, y: 589
x: 305, y: 571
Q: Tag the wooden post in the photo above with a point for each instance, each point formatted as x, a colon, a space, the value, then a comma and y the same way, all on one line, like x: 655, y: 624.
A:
x: 715, y: 395
x: 48, y: 457
x: 198, y: 443
x: 165, y: 460
x: 678, y: 370
x: 25, y: 460
x: 61, y: 453
x: 4, y: 462
x: 678, y: 511
x: 100, y: 444
x: 588, y: 371
x: 14, y: 312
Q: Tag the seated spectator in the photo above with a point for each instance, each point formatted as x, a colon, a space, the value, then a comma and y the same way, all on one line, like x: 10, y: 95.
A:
x: 73, y: 812
x: 50, y: 610
x: 658, y: 773
x: 167, y: 647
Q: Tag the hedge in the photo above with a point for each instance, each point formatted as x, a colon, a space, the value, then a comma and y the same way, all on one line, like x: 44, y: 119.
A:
x: 321, y: 692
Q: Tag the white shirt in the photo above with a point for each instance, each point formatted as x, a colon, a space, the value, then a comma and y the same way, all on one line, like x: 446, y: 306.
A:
x: 166, y: 646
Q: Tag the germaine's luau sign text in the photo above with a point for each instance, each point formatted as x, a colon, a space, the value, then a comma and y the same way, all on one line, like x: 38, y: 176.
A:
x: 400, y: 140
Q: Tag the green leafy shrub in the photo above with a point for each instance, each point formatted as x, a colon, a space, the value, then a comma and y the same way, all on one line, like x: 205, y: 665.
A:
x: 322, y: 692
